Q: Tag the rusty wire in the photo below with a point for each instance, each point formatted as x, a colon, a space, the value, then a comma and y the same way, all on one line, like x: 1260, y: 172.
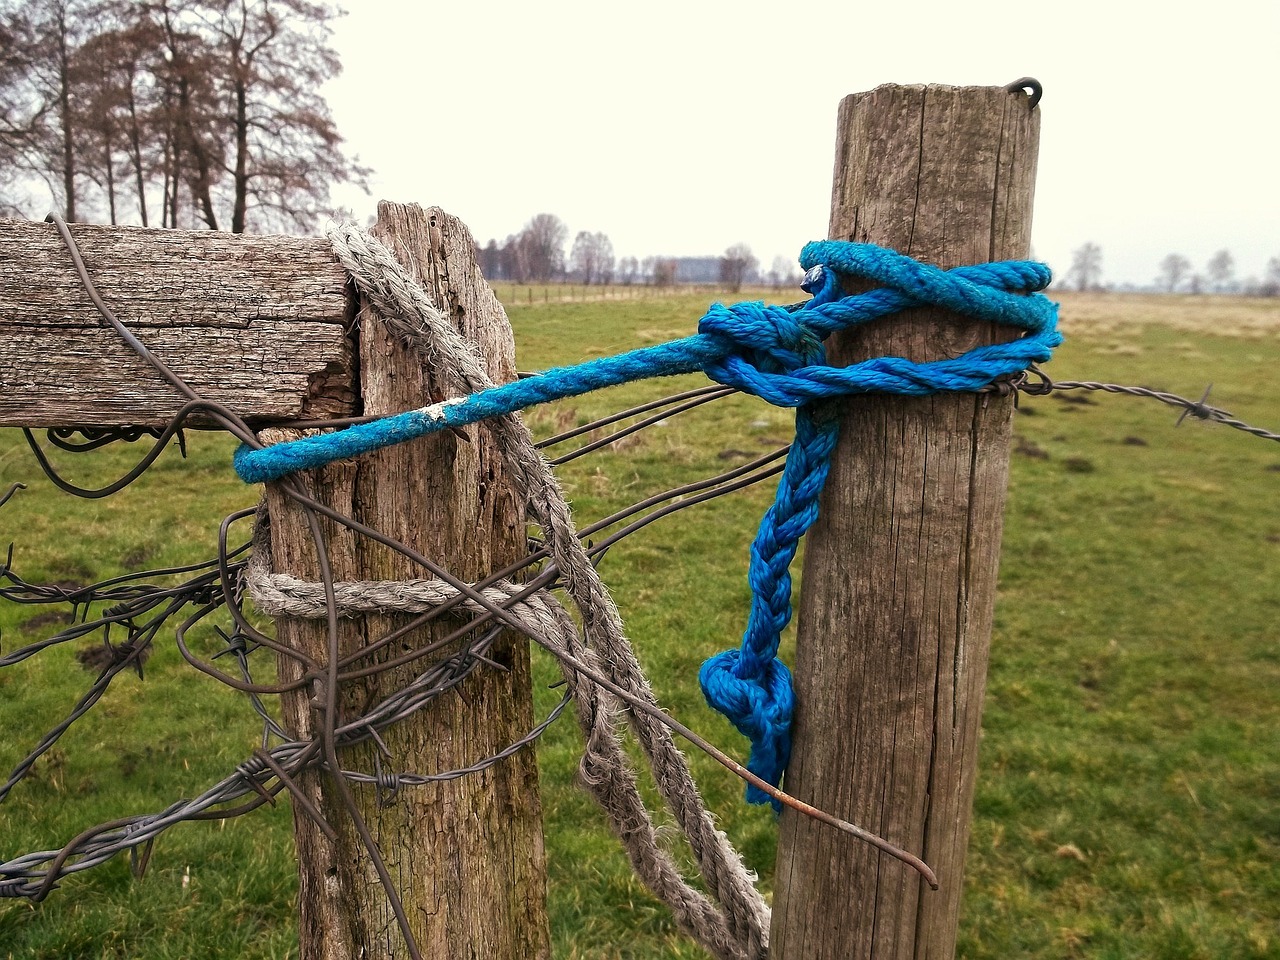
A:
x: 129, y: 612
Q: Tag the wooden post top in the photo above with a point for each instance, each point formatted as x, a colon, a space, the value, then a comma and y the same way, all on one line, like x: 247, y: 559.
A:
x: 256, y: 322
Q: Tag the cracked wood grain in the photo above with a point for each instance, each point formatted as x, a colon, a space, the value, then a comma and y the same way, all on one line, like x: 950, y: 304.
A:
x: 257, y: 323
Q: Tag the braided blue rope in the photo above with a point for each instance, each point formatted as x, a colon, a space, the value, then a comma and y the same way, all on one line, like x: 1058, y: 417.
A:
x: 775, y: 353
x: 750, y: 685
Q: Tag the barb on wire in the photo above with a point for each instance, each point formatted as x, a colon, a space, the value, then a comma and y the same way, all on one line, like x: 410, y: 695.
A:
x: 1038, y: 384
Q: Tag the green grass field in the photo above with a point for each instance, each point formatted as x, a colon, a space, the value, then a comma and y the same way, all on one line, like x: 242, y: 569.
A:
x: 1128, y: 802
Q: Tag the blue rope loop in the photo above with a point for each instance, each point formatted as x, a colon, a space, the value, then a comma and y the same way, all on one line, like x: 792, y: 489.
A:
x: 759, y: 362
x: 775, y: 353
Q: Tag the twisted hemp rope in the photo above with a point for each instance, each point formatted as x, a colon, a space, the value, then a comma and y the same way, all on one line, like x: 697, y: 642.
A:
x: 731, y: 919
x: 775, y: 353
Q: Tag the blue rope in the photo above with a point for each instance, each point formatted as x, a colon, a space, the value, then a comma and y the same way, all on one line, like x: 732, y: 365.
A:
x: 775, y: 353
x: 753, y: 347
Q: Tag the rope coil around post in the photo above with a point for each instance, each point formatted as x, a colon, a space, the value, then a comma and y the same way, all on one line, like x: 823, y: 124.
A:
x: 731, y: 918
x: 750, y: 685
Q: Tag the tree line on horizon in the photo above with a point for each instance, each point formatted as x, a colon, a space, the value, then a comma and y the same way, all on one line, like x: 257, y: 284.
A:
x: 1177, y: 274
x: 537, y: 254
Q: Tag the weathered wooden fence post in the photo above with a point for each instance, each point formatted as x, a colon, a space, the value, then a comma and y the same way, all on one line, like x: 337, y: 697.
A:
x: 900, y: 569
x: 260, y: 324
x: 467, y: 854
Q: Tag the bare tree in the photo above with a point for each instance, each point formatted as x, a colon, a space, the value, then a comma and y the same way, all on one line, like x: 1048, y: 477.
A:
x: 592, y: 257
x: 23, y: 113
x: 737, y: 266
x: 490, y: 260
x: 1086, y: 267
x: 116, y: 111
x: 541, y: 246
x: 37, y: 123
x: 783, y: 272
x: 1173, y: 270
x: 582, y: 257
x: 628, y: 270
x: 1219, y: 270
x: 134, y: 52
x: 1270, y: 286
x: 662, y: 272
x: 193, y: 113
x: 273, y: 141
x: 513, y: 264
x: 607, y: 260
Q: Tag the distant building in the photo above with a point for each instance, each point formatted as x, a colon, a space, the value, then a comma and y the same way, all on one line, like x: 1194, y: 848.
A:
x: 697, y: 269
x: 704, y: 270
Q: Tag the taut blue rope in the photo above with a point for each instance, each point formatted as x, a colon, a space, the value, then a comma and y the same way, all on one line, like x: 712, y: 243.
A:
x: 776, y: 353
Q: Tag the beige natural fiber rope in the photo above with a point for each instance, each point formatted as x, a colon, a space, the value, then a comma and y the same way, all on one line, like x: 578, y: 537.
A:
x: 733, y: 922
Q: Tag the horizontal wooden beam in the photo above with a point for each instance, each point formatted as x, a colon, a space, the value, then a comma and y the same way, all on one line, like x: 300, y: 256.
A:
x: 257, y: 323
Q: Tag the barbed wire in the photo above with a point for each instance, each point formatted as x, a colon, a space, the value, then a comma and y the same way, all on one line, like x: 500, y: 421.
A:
x: 1042, y: 385
x: 218, y: 583
x: 137, y: 611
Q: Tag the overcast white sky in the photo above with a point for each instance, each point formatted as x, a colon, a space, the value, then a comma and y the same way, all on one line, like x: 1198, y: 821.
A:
x: 683, y: 127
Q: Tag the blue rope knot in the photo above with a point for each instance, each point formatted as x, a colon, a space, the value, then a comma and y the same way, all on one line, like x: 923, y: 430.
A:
x: 757, y: 697
x: 750, y: 686
x: 764, y: 347
x: 745, y: 684
x: 759, y: 340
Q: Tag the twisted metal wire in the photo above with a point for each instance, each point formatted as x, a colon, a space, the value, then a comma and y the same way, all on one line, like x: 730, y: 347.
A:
x: 218, y: 584
x: 1200, y: 409
x: 223, y: 590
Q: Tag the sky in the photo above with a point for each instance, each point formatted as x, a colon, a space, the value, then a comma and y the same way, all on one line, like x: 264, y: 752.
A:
x: 680, y: 128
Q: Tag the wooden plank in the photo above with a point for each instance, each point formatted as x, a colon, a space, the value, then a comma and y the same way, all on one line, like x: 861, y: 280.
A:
x: 257, y: 323
x: 900, y: 569
x: 468, y: 853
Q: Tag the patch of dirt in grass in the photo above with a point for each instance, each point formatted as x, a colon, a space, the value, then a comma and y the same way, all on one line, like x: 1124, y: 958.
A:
x: 47, y: 619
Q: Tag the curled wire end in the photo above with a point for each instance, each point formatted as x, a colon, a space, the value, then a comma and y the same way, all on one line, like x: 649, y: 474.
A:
x: 1041, y: 386
x: 1031, y: 85
x: 13, y: 488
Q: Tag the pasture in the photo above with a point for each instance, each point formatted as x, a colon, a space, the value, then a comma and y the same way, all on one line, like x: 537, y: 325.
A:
x: 1128, y: 802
